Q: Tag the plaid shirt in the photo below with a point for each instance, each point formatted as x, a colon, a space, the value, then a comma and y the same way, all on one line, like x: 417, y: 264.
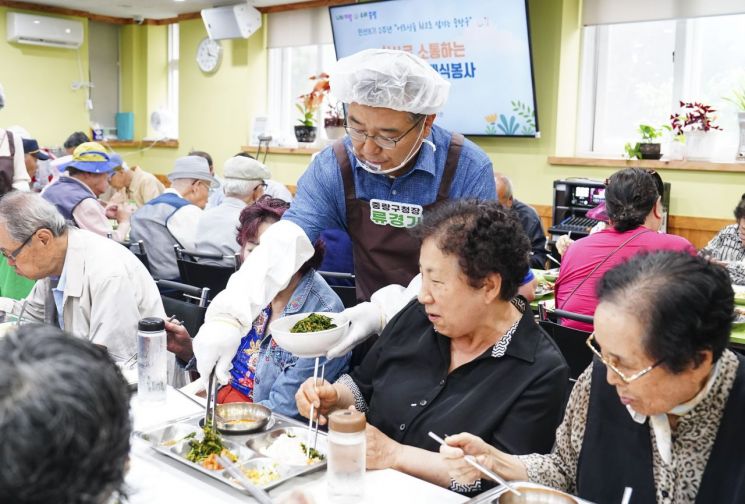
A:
x: 727, y: 247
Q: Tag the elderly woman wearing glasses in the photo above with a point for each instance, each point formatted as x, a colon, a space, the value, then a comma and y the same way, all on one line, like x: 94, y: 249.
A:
x: 661, y: 408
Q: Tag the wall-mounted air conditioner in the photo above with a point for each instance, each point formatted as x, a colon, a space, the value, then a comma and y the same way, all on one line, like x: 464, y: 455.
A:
x: 44, y: 30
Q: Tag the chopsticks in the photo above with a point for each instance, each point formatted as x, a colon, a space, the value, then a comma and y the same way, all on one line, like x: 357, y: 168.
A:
x: 313, y: 432
x: 257, y: 493
x: 471, y: 460
x: 211, y: 401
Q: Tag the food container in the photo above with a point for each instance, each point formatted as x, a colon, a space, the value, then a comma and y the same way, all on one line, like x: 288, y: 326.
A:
x: 241, y: 418
x: 262, y: 444
x: 309, y: 344
x: 263, y: 472
x: 169, y: 440
x: 531, y: 493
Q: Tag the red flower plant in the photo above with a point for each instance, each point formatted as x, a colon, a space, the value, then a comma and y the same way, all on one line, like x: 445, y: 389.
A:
x: 693, y: 116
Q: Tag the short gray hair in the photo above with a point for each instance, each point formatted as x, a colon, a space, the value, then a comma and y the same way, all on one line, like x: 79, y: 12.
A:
x: 64, y: 419
x: 24, y: 213
x: 503, y: 179
x: 239, y: 188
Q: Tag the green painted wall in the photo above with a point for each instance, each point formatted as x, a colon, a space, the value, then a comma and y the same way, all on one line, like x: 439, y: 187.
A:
x: 216, y: 110
x: 38, y: 87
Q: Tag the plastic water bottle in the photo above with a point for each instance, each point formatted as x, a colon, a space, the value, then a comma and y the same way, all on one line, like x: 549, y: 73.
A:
x: 346, y: 456
x: 152, y: 364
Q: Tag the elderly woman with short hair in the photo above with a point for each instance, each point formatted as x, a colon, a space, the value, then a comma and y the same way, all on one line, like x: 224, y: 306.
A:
x: 466, y: 355
x: 660, y: 410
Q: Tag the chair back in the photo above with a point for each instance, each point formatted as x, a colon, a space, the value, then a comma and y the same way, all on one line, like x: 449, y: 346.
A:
x: 347, y: 293
x: 138, y: 249
x: 195, y: 271
x: 571, y: 343
x: 187, y: 302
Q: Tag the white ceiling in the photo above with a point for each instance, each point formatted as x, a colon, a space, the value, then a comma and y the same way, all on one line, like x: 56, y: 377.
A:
x: 149, y: 9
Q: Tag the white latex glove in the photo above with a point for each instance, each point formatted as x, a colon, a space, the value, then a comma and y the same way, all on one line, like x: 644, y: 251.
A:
x: 215, y: 347
x: 563, y: 243
x: 371, y: 317
x: 365, y: 319
x: 266, y: 271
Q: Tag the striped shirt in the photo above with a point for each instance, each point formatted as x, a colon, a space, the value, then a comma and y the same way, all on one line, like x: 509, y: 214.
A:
x: 727, y: 247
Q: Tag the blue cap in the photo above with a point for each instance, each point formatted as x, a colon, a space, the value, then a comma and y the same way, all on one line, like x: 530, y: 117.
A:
x: 31, y: 146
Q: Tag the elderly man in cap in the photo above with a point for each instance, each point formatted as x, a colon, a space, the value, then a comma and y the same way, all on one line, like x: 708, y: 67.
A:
x: 75, y: 194
x: 86, y: 284
x: 171, y: 218
x: 133, y: 184
x: 375, y: 183
x: 32, y: 155
x: 244, y: 180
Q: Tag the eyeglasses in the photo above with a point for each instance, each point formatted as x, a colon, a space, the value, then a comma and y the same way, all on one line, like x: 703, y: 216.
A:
x: 262, y: 185
x: 590, y: 342
x: 12, y: 256
x: 380, y: 141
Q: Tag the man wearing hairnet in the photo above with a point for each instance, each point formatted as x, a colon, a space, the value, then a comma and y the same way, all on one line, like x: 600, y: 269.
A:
x: 375, y: 183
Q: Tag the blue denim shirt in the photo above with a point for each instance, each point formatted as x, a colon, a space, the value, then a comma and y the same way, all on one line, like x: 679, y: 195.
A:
x: 319, y: 202
x: 279, y: 373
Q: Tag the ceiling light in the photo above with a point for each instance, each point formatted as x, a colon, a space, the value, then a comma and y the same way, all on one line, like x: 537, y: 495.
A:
x: 36, y: 21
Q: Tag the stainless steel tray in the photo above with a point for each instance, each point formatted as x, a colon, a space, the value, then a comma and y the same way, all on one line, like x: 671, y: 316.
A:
x: 168, y: 439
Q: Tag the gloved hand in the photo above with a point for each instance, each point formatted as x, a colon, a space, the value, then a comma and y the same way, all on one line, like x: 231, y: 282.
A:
x: 365, y: 320
x: 563, y: 243
x: 215, y: 346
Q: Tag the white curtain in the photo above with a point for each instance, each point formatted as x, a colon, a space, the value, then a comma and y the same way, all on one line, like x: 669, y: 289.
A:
x: 300, y: 27
x: 598, y: 12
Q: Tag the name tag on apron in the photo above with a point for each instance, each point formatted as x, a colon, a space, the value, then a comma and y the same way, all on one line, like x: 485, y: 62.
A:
x: 390, y: 213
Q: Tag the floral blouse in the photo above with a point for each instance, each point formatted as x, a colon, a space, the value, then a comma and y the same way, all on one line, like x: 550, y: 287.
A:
x: 243, y: 374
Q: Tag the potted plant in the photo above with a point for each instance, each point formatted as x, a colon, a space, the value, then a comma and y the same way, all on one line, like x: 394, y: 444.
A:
x: 694, y: 120
x: 647, y: 148
x: 334, y: 121
x: 308, y: 105
x: 738, y: 99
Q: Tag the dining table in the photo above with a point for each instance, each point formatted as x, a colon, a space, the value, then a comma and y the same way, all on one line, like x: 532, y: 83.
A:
x: 153, y: 477
x: 547, y: 299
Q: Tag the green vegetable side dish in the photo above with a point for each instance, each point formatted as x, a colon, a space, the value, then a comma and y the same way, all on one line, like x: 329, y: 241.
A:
x: 209, y: 445
x: 314, y: 455
x: 313, y: 323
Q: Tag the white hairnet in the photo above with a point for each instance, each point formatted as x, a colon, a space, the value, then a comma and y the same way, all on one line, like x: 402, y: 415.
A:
x: 391, y: 79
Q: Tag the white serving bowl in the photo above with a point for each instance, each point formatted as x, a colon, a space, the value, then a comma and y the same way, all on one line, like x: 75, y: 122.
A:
x: 311, y: 344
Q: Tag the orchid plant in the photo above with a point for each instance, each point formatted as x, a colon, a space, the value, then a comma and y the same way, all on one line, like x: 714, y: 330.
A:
x: 310, y: 103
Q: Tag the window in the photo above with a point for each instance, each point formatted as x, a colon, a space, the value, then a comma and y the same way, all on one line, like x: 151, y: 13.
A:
x: 636, y: 73
x: 289, y: 72
x: 103, y: 58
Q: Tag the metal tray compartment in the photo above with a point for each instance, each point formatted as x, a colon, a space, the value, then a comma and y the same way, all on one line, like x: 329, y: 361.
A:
x: 169, y: 440
x: 283, y: 472
x: 260, y: 443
